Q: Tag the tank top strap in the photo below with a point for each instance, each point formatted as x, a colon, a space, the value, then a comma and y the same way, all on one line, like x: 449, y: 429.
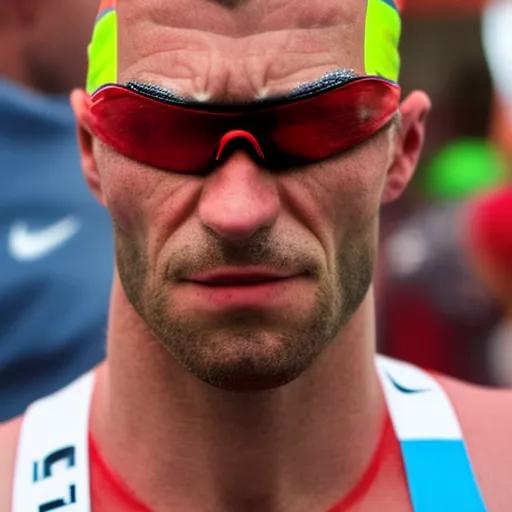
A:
x: 52, y: 464
x: 437, y: 464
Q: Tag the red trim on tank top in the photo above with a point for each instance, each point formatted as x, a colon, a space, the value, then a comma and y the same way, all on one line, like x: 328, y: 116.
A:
x: 113, y: 484
x: 363, y: 486
x: 133, y: 504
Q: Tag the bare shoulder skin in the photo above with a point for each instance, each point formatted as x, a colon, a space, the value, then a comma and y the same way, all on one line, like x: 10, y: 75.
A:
x: 9, y: 434
x: 485, y: 416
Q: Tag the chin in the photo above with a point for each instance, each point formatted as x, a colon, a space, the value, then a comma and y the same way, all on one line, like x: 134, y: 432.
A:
x: 248, y: 349
x: 249, y: 362
x: 234, y: 380
x: 245, y: 378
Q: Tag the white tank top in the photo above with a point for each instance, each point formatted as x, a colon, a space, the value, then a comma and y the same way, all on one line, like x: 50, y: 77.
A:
x: 52, y: 466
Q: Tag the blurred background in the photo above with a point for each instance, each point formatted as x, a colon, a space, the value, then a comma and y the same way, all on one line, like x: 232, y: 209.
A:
x: 443, y: 286
x: 55, y: 240
x: 444, y: 277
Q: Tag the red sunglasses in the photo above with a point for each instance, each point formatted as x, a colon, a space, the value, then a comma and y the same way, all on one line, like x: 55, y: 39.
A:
x: 150, y: 125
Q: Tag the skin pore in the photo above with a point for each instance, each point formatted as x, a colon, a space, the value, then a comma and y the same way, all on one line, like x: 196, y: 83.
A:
x: 275, y: 407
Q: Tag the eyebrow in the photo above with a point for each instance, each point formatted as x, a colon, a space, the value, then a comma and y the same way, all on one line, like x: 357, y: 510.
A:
x: 330, y: 79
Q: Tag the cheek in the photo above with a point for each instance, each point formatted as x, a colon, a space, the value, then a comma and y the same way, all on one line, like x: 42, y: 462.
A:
x: 354, y: 197
x: 127, y: 190
x: 340, y: 197
x: 147, y: 204
x: 358, y: 181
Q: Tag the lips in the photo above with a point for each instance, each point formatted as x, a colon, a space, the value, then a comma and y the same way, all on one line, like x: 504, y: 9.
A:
x: 229, y: 289
x: 239, y: 277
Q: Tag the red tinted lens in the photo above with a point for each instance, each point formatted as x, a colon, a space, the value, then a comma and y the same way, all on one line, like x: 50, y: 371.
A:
x: 155, y: 133
x: 184, y: 139
x: 335, y: 121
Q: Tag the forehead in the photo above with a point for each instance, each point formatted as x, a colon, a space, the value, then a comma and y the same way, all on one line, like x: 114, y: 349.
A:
x: 243, y: 49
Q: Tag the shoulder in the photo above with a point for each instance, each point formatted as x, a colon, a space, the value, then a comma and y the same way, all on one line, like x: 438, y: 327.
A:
x: 485, y: 416
x: 9, y: 434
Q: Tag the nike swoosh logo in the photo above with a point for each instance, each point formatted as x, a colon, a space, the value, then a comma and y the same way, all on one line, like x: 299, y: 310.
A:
x: 26, y: 245
x: 403, y: 389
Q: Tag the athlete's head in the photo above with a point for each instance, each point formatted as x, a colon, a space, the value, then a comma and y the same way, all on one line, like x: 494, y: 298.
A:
x: 44, y: 43
x: 295, y: 191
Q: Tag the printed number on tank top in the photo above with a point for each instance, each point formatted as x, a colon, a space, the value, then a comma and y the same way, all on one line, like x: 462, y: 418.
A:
x: 44, y: 470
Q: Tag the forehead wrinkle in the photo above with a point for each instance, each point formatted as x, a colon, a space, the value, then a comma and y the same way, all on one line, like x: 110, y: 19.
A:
x: 142, y: 35
x: 188, y: 17
x: 198, y: 72
x: 250, y: 17
x: 213, y: 65
x: 154, y: 33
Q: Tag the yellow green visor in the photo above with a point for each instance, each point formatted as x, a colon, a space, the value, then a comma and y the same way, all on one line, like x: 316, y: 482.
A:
x: 382, y: 36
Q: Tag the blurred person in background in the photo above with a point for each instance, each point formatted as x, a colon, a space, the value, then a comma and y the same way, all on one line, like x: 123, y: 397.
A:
x: 489, y: 244
x: 55, y: 242
x: 434, y: 310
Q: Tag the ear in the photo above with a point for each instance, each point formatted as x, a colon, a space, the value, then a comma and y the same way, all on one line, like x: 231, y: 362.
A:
x: 80, y: 102
x: 407, y: 144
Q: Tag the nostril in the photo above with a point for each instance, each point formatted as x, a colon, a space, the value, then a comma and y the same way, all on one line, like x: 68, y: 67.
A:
x: 236, y: 139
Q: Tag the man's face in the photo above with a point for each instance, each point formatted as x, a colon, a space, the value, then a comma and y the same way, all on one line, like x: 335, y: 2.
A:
x: 242, y: 274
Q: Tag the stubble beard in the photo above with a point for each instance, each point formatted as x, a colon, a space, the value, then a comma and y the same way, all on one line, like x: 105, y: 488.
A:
x: 249, y: 351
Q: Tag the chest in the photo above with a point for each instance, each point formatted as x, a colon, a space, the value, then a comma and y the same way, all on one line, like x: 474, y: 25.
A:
x: 438, y: 475
x: 388, y: 491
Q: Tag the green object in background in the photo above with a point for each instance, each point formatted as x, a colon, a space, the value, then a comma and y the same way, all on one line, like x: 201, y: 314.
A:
x: 463, y: 168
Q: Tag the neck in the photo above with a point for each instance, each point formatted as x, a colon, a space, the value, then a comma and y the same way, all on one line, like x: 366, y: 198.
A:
x: 275, y: 450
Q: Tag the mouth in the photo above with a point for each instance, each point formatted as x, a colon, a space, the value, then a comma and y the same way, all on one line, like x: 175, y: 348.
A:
x: 229, y: 277
x: 242, y: 288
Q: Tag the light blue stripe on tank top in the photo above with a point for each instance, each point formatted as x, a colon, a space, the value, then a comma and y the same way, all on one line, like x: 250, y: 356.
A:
x: 437, y: 465
x: 440, y: 477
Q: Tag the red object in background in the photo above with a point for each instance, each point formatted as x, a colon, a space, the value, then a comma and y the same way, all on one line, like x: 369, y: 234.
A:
x: 491, y: 228
x: 417, y: 333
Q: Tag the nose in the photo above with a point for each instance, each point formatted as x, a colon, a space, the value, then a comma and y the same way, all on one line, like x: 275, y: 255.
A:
x: 239, y: 198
